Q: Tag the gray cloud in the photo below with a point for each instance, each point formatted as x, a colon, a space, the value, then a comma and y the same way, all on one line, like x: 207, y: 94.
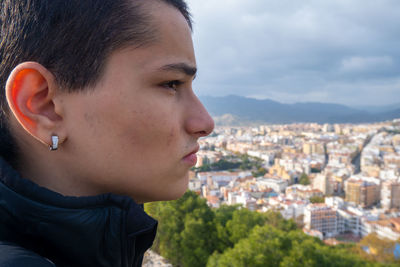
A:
x: 329, y: 51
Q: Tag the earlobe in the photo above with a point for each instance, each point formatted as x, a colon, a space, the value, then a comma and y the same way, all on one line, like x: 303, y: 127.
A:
x: 30, y: 91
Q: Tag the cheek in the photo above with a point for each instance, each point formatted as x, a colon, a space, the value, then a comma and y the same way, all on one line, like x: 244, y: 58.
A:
x: 149, y: 130
x: 171, y: 136
x: 142, y: 124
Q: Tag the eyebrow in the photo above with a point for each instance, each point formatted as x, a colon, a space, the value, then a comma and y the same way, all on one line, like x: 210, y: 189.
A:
x: 180, y: 67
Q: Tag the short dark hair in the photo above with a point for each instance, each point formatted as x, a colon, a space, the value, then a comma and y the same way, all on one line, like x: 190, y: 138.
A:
x: 72, y: 39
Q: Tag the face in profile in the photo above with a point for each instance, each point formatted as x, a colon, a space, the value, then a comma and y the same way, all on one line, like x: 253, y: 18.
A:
x: 136, y: 132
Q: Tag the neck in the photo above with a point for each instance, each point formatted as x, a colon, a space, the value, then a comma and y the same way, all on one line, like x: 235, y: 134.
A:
x: 44, y: 169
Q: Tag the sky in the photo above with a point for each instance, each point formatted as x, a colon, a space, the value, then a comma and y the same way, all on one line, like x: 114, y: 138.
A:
x: 333, y: 51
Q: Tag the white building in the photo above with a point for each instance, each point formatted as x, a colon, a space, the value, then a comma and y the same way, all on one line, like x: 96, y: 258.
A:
x: 221, y: 176
x: 321, y: 217
x: 390, y: 195
x: 385, y: 229
x: 348, y: 222
x: 335, y: 202
x: 278, y: 185
x: 293, y: 209
x: 321, y: 182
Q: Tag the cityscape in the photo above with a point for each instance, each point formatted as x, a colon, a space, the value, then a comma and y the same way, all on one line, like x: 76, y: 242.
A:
x: 335, y: 180
x: 335, y: 185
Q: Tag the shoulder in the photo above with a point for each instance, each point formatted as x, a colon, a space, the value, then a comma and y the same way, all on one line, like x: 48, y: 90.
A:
x: 12, y: 255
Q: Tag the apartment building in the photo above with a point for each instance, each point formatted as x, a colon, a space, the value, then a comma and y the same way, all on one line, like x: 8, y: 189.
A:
x: 321, y: 217
x: 362, y: 192
x: 390, y: 195
x: 313, y: 148
x: 348, y: 222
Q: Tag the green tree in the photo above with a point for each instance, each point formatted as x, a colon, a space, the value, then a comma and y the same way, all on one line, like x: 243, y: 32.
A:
x: 269, y: 246
x: 317, y: 199
x: 243, y: 220
x: 304, y: 179
x: 196, y: 242
x: 260, y: 172
x: 220, y: 165
x: 168, y: 231
x: 186, y: 233
x: 276, y: 219
x: 246, y: 164
x: 222, y: 215
x: 312, y: 253
x: 261, y: 248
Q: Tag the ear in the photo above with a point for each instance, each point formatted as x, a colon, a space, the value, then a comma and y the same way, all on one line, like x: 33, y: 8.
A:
x: 31, y: 96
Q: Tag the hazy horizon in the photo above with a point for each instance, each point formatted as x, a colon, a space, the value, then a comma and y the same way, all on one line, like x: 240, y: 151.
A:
x: 302, y: 102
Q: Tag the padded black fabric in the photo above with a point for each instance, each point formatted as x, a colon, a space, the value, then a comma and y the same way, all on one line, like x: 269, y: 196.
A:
x: 13, y: 255
x: 104, y: 230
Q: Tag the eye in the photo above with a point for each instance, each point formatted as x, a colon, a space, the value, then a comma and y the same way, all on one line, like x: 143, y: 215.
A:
x: 172, y: 84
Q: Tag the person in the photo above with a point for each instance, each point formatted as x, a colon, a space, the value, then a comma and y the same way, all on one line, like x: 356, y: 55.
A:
x: 98, y: 116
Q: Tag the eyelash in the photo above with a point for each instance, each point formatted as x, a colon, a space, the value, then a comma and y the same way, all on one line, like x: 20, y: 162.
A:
x: 172, y: 84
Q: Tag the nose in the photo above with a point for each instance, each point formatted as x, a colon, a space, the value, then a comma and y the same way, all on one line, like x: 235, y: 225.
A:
x: 198, y: 122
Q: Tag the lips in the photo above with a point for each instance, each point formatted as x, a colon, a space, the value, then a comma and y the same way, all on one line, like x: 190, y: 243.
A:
x: 191, y: 158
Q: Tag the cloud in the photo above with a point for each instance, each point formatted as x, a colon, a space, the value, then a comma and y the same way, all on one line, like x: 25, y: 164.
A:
x: 293, y: 51
x: 366, y: 64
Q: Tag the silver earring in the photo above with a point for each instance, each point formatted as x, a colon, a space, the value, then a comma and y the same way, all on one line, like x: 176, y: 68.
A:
x: 54, y: 143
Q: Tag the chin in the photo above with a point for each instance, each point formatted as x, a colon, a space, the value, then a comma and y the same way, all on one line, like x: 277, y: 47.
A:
x: 174, y: 193
x: 171, y: 193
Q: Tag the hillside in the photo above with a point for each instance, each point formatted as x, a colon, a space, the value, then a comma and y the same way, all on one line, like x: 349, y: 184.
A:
x: 237, y: 110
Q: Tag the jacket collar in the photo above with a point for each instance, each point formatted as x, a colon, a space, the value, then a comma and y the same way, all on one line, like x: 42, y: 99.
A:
x: 104, y: 230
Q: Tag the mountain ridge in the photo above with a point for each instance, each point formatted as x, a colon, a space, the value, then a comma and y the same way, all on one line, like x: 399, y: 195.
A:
x: 245, y: 110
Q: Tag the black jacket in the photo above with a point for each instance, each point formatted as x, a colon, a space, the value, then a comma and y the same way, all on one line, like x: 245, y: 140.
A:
x: 39, y: 227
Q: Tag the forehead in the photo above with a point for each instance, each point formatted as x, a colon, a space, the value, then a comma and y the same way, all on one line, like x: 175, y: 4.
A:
x: 172, y: 44
x: 174, y: 36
